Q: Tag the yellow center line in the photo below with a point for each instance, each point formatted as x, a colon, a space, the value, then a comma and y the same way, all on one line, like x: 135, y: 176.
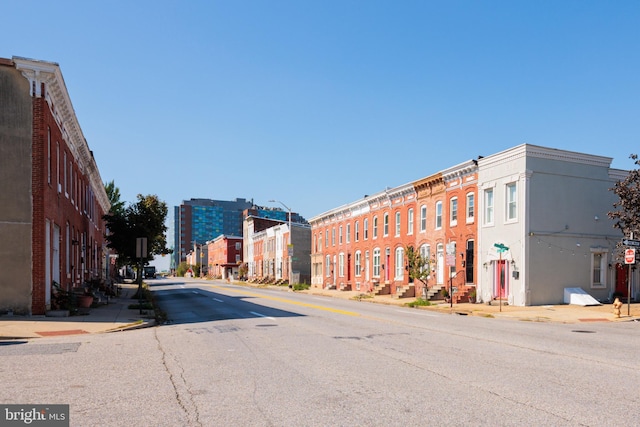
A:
x: 288, y: 301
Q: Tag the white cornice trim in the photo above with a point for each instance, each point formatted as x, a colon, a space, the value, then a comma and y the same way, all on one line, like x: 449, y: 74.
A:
x: 528, y: 150
x: 38, y: 72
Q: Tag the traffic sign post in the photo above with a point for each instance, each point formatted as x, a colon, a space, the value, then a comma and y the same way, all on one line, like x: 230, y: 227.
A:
x: 630, y: 259
x: 629, y: 256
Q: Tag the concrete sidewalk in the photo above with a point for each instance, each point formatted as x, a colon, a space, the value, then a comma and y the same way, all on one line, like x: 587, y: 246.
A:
x: 563, y: 313
x: 114, y: 316
x: 117, y: 316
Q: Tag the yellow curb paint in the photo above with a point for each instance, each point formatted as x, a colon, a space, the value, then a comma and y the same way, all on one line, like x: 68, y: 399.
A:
x: 288, y: 301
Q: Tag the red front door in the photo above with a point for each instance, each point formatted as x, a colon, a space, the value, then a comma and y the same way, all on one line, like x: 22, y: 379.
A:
x: 621, y: 280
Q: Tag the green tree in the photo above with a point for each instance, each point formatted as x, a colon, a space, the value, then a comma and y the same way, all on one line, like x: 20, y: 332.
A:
x: 419, y: 267
x: 113, y: 192
x: 627, y: 213
x: 145, y: 218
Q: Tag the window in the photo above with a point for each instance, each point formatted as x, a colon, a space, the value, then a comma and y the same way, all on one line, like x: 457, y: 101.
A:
x: 512, y: 202
x: 375, y: 227
x: 357, y: 231
x: 66, y: 183
x: 425, y: 254
x: 358, y: 264
x: 238, y: 246
x: 453, y: 211
x: 399, y: 263
x: 470, y: 207
x: 376, y: 262
x: 333, y: 236
x: 410, y: 221
x: 341, y: 265
x: 58, y: 166
x: 438, y: 215
x: 469, y: 261
x: 398, y: 223
x: 598, y: 269
x: 385, y: 225
x: 349, y: 233
x: 327, y: 268
x: 326, y: 237
x: 423, y: 218
x: 488, y: 206
x: 340, y: 235
x: 365, y: 228
x: 48, y: 155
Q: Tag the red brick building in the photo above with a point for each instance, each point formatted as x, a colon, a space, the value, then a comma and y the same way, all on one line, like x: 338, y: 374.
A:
x: 52, y: 199
x: 224, y: 256
x: 361, y: 246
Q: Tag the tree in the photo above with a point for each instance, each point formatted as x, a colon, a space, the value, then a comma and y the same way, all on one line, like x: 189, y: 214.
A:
x: 113, y: 192
x: 145, y: 218
x: 419, y: 267
x: 627, y: 213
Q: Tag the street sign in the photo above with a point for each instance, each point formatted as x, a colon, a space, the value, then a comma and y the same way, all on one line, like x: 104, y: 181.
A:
x: 629, y: 242
x: 629, y: 256
x: 501, y: 247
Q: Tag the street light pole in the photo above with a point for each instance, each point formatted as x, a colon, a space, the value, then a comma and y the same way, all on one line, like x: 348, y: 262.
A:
x: 290, y: 245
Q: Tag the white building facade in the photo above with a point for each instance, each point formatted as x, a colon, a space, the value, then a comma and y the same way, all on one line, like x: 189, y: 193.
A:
x: 544, y: 226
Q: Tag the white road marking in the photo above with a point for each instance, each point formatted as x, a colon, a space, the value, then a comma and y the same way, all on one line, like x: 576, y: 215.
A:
x: 216, y: 299
x: 262, y: 315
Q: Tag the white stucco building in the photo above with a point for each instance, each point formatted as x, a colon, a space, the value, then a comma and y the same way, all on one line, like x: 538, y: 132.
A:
x: 549, y: 208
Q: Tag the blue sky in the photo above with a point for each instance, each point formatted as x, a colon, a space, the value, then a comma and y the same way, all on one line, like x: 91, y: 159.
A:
x: 317, y: 103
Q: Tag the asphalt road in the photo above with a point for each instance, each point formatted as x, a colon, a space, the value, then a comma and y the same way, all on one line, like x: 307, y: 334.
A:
x: 237, y: 356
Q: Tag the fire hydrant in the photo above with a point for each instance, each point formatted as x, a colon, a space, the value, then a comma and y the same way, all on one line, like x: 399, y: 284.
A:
x: 617, y: 305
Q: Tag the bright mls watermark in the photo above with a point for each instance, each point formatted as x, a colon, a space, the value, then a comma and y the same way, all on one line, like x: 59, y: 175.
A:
x: 34, y: 415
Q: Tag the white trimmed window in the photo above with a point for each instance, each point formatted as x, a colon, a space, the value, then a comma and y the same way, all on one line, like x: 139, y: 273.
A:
x: 438, y: 215
x: 376, y: 262
x: 399, y: 263
x: 385, y: 225
x: 453, y: 211
x: 357, y: 231
x: 398, y: 219
x: 341, y: 264
x: 512, y: 202
x: 340, y: 235
x: 598, y: 268
x: 470, y: 207
x: 423, y: 218
x: 327, y: 267
x: 357, y: 266
x: 375, y: 227
x: 365, y: 226
x: 349, y: 233
x: 488, y: 206
x: 410, y: 221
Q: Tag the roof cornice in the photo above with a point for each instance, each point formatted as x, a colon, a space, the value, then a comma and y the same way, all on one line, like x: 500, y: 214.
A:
x: 38, y: 72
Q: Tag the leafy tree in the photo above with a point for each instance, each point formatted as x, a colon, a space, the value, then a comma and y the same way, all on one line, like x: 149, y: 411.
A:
x: 419, y: 267
x: 627, y: 213
x: 145, y: 218
x: 113, y: 192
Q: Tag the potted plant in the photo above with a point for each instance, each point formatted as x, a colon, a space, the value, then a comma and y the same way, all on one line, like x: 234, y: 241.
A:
x: 85, y: 300
x: 472, y: 296
x: 445, y: 294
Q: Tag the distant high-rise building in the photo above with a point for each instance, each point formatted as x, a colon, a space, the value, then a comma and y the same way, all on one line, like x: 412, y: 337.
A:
x: 197, y: 221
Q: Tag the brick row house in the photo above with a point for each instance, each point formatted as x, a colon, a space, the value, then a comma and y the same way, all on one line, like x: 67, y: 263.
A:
x: 52, y: 199
x: 266, y: 252
x: 224, y: 257
x: 361, y: 246
x: 523, y: 226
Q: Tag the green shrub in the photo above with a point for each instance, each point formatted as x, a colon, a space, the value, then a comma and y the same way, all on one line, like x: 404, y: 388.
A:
x: 418, y: 302
x: 301, y: 287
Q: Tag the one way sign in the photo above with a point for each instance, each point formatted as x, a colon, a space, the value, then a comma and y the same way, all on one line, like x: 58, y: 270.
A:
x: 628, y: 242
